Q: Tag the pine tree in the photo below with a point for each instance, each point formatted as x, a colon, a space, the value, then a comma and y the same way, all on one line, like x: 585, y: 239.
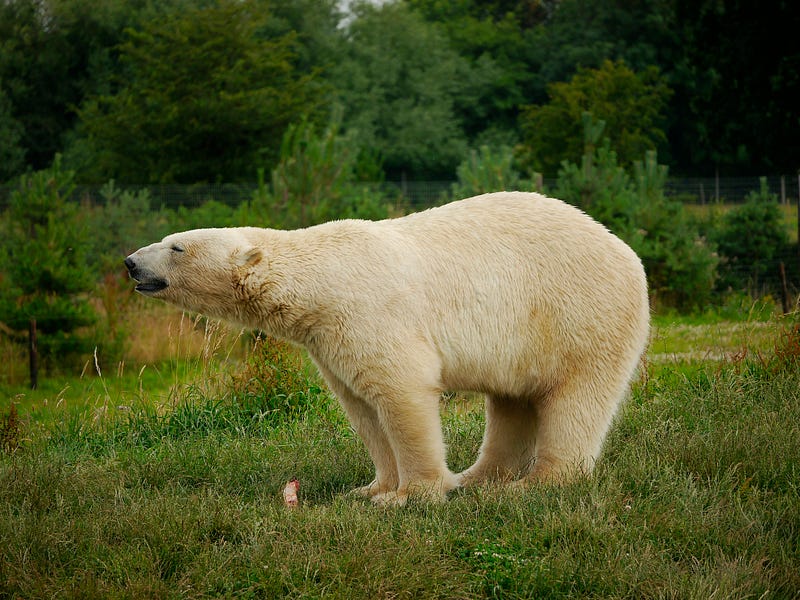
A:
x: 43, y: 266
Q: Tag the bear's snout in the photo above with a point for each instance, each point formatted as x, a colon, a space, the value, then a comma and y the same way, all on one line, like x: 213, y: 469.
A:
x: 146, y: 282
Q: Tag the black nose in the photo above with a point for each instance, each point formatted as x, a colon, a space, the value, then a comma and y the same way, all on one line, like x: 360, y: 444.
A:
x: 130, y: 264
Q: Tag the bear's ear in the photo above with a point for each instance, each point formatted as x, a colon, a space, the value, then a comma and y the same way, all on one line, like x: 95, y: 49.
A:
x: 248, y: 257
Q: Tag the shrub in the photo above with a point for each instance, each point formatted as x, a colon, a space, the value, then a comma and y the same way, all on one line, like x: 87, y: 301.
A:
x: 600, y: 187
x: 10, y: 430
x: 211, y: 213
x: 123, y: 222
x: 751, y: 237
x: 680, y: 263
x: 274, y: 384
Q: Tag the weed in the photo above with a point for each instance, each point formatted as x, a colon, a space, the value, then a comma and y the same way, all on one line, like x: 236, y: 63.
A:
x: 274, y: 381
x: 10, y: 430
x: 787, y: 350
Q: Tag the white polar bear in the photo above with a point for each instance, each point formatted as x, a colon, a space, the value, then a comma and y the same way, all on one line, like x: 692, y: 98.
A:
x: 518, y: 296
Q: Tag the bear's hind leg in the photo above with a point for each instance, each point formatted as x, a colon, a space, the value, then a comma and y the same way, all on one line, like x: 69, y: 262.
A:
x: 364, y: 419
x: 508, y: 442
x: 573, y: 421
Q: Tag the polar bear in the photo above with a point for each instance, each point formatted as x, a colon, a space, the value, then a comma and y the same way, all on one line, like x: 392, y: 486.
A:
x: 515, y: 295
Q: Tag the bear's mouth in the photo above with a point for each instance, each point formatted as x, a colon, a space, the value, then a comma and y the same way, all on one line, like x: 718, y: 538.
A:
x: 151, y: 286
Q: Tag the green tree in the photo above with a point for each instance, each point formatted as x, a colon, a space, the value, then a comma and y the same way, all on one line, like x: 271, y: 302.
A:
x: 397, y: 86
x: 599, y: 185
x: 488, y: 170
x: 492, y: 38
x: 316, y: 24
x: 205, y: 97
x: 631, y: 104
x: 52, y: 53
x: 680, y: 264
x: 44, y: 269
x: 316, y: 180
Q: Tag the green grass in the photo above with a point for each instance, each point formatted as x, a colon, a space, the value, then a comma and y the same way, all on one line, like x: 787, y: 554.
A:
x: 697, y: 495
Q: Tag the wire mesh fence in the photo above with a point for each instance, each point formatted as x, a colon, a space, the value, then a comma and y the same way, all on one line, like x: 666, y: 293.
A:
x: 422, y: 194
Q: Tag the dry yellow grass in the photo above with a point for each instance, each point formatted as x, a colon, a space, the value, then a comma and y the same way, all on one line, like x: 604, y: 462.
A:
x: 159, y: 332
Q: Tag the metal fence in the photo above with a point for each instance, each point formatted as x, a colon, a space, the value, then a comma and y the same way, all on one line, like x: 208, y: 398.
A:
x: 733, y: 190
x: 421, y: 194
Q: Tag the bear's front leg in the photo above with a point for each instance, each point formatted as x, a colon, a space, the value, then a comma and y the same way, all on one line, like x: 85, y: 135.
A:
x: 411, y: 421
x: 364, y: 419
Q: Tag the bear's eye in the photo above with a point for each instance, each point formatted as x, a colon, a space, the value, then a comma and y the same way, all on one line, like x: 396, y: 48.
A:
x: 176, y: 248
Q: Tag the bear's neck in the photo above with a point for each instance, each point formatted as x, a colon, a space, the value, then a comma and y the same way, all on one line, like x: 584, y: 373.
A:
x: 286, y: 295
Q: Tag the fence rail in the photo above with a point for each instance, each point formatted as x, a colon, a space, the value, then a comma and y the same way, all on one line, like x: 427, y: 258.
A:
x: 419, y: 194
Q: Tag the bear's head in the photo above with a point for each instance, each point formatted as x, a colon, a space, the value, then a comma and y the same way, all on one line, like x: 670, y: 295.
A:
x: 203, y: 270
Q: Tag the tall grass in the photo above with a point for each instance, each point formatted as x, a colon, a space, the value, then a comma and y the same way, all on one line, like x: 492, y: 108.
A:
x: 697, y: 495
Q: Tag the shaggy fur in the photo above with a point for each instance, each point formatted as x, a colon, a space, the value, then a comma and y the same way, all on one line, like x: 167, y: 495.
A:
x: 518, y: 296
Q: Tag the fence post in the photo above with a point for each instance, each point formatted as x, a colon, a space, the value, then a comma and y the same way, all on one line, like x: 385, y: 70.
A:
x: 33, y: 351
x: 783, y: 190
x: 784, y: 288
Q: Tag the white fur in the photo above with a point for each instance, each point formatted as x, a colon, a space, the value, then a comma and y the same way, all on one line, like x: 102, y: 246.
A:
x: 515, y: 295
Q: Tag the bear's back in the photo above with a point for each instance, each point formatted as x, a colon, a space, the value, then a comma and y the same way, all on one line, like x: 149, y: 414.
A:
x: 522, y: 277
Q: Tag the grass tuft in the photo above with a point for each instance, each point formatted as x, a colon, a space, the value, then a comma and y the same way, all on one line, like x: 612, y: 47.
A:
x: 10, y: 430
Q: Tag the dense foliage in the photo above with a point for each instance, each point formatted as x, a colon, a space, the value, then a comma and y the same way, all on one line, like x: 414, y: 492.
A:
x: 630, y: 104
x: 205, y: 97
x: 318, y: 108
x: 187, y: 90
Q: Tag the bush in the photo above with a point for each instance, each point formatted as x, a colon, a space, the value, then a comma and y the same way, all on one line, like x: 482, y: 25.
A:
x: 211, y: 213
x: 751, y: 238
x: 274, y: 384
x: 600, y: 187
x: 119, y: 225
x: 680, y: 263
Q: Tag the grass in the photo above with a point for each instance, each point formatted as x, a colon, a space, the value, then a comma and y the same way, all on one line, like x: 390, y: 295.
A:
x: 697, y: 494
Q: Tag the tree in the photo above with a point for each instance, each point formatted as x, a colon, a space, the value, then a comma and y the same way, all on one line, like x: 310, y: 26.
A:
x: 599, y: 185
x: 631, y: 104
x: 52, y: 53
x: 680, y: 264
x: 488, y: 170
x: 205, y: 97
x: 43, y: 265
x: 492, y: 38
x: 397, y: 84
x: 316, y: 180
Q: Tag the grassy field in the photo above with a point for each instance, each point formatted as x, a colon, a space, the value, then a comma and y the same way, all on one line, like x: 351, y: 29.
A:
x: 166, y: 482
